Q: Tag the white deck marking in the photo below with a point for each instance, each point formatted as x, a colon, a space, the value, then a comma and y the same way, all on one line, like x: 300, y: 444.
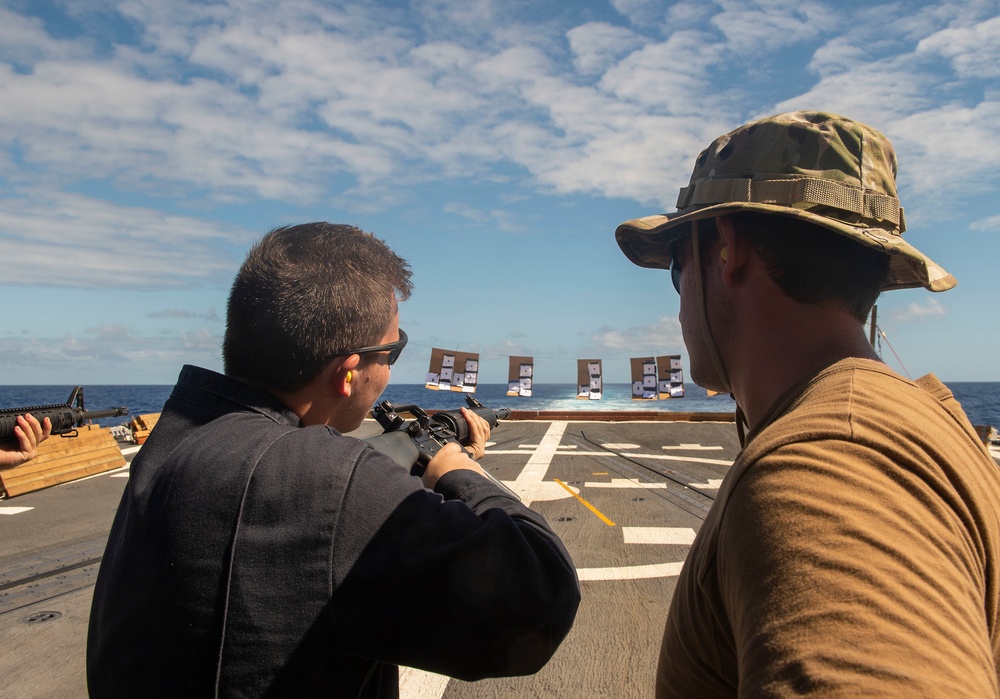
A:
x: 418, y: 684
x: 709, y: 484
x: 694, y: 447
x: 531, y: 485
x: 619, y: 445
x: 120, y: 472
x: 655, y: 570
x: 14, y: 510
x: 692, y: 459
x: 651, y: 457
x: 658, y: 535
x: 560, y: 447
x: 560, y: 450
x: 624, y: 483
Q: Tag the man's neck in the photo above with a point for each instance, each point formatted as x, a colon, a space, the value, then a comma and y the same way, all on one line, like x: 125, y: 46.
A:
x: 308, y: 403
x: 783, y: 351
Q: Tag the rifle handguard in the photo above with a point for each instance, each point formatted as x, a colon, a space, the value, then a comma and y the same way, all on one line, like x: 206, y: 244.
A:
x: 413, y: 443
x: 65, y: 418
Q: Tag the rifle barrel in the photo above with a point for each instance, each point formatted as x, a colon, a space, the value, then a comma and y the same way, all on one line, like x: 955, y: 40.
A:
x: 63, y: 418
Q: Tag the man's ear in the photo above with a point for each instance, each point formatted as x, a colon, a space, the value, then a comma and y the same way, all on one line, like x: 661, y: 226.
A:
x: 342, y: 376
x: 727, y: 230
x: 732, y: 248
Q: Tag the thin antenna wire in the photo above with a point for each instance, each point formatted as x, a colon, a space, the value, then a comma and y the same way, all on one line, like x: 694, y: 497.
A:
x: 881, y: 333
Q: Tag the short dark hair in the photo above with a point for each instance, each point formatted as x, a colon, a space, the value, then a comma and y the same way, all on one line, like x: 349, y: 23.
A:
x: 813, y: 264
x: 304, y: 294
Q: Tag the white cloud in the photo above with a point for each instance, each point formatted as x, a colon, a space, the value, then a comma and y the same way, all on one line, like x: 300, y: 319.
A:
x: 284, y: 103
x: 203, y: 341
x: 764, y: 25
x: 668, y: 74
x: 598, y: 45
x: 474, y: 18
x: 117, y: 348
x: 303, y: 102
x: 182, y: 314
x: 990, y: 224
x: 974, y: 51
x: 663, y: 336
x: 183, y: 113
x: 466, y: 211
x: 951, y: 149
x: 23, y: 41
x: 244, y: 127
x: 870, y: 89
x: 641, y: 13
x: 686, y: 14
x: 511, y: 346
x: 72, y: 240
x: 499, y: 219
x: 931, y: 309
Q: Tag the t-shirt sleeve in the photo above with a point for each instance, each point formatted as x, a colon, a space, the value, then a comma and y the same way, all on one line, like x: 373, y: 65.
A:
x: 844, y: 574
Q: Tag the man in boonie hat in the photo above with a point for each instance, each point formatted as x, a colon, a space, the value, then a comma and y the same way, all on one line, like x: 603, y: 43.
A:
x: 854, y: 545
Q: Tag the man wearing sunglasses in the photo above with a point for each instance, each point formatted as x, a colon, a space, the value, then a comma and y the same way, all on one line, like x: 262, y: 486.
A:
x: 258, y: 551
x: 854, y: 546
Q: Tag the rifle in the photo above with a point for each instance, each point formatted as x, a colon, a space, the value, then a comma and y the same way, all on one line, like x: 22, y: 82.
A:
x: 413, y: 443
x: 65, y: 418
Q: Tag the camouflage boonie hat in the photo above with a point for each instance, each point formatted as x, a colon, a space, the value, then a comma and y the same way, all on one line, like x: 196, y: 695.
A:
x: 818, y: 167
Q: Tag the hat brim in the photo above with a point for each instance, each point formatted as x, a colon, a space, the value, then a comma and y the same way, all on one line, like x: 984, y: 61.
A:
x: 646, y: 242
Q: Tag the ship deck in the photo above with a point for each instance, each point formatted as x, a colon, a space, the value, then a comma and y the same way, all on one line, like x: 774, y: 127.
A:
x: 626, y: 496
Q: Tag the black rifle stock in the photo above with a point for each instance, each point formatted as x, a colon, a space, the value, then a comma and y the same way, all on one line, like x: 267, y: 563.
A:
x: 413, y: 443
x: 65, y: 418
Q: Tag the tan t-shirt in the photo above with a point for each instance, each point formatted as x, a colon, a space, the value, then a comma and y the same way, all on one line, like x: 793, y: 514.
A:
x: 852, y: 551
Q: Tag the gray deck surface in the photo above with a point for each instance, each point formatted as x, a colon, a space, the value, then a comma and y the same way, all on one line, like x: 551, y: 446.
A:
x: 640, y: 491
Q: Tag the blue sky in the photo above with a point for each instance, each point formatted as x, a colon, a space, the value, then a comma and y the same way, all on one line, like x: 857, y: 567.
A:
x: 145, y: 144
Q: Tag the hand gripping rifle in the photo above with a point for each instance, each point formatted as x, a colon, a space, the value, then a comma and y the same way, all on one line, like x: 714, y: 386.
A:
x: 65, y: 418
x: 413, y: 443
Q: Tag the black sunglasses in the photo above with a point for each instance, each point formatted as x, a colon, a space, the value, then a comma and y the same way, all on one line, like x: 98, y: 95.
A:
x: 393, y: 348
x: 675, y: 265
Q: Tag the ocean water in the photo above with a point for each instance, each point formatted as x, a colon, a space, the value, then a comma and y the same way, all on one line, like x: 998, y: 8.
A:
x: 981, y: 400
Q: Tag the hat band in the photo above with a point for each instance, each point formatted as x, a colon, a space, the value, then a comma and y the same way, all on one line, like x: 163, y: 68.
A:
x: 789, y: 192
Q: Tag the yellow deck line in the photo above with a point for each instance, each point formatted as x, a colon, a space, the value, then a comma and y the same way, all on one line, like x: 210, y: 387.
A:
x: 587, y: 504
